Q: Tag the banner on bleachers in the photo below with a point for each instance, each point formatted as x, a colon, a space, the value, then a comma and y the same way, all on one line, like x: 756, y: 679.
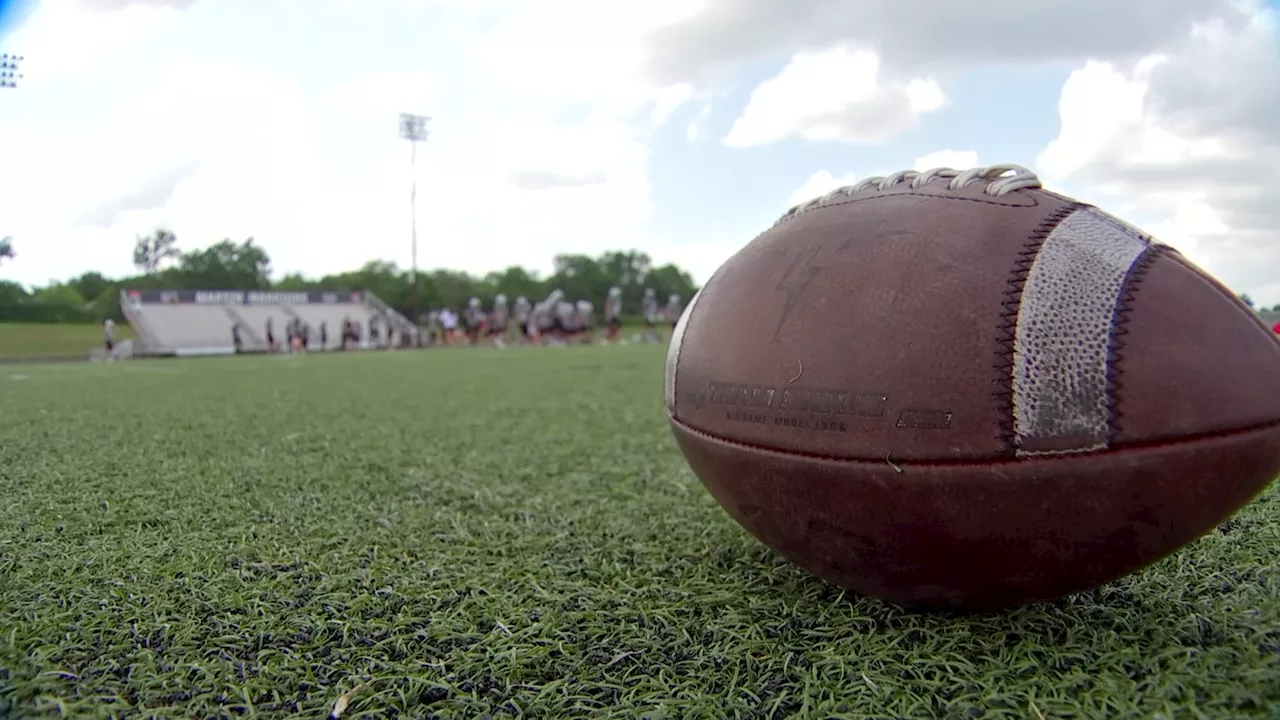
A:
x: 243, y: 297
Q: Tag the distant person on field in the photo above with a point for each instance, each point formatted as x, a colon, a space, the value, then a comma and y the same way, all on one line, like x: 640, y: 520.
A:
x: 348, y: 334
x: 497, y: 325
x: 521, y: 313
x: 109, y: 337
x: 473, y: 319
x: 271, y: 335
x: 613, y: 315
x: 672, y: 311
x: 236, y: 341
x: 567, y: 325
x: 375, y: 331
x: 295, y: 335
x: 324, y: 334
x: 433, y: 327
x: 448, y: 325
x: 544, y: 323
x: 652, y: 316
x: 586, y: 317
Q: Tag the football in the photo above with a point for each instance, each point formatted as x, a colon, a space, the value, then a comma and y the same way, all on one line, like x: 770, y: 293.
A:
x: 957, y: 389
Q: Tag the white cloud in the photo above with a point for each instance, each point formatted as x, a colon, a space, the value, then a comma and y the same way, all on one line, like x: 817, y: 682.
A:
x: 911, y: 36
x: 669, y: 100
x: 574, y: 51
x: 67, y: 37
x: 821, y: 183
x: 837, y: 94
x: 538, y: 142
x: 954, y: 159
x: 1183, y: 144
x: 696, y: 128
x: 545, y: 117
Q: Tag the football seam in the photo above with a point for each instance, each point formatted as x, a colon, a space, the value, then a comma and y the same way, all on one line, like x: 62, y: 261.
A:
x: 1007, y: 327
x: 994, y: 460
x: 1116, y: 350
x: 1035, y: 202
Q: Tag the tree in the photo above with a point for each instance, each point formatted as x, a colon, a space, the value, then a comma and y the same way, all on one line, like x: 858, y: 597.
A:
x: 671, y: 280
x: 151, y: 251
x: 12, y: 293
x: 514, y: 282
x: 294, y: 282
x: 90, y: 285
x: 6, y: 248
x: 626, y: 269
x: 61, y: 294
x: 225, y: 265
x: 580, y: 276
x: 228, y: 265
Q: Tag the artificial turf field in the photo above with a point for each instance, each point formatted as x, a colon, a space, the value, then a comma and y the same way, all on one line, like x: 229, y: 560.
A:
x: 481, y: 533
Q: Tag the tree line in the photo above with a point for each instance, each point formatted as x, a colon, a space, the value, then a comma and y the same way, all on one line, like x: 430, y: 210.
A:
x: 246, y: 265
x: 227, y: 265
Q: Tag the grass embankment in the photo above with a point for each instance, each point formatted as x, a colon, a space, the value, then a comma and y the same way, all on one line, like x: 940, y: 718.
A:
x: 32, y: 340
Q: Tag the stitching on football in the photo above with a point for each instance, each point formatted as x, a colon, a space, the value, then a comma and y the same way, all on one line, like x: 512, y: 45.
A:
x: 1119, y: 329
x: 1007, y: 327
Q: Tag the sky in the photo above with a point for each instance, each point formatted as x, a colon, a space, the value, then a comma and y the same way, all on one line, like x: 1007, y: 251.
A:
x: 683, y: 128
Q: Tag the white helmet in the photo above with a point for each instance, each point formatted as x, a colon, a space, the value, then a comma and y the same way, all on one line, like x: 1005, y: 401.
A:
x: 615, y: 291
x: 674, y: 299
x: 522, y: 300
x: 473, y: 302
x: 648, y: 292
x: 500, y: 299
x: 584, y: 306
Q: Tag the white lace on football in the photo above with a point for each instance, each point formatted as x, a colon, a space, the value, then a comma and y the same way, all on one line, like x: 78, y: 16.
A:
x: 999, y: 179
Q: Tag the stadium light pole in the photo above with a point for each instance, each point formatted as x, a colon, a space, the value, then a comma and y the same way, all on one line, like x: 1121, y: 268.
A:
x: 9, y: 75
x: 414, y: 129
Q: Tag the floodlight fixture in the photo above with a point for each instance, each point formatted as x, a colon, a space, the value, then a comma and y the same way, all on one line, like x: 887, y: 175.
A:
x: 10, y: 66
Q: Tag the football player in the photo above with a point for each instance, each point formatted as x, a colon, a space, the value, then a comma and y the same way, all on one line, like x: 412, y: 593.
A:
x: 497, y: 329
x: 567, y: 327
x: 473, y: 319
x: 613, y: 315
x: 673, y: 310
x: 109, y: 338
x: 544, y: 322
x: 652, y: 316
x: 433, y: 327
x: 586, y: 319
x: 448, y: 325
x: 521, y: 316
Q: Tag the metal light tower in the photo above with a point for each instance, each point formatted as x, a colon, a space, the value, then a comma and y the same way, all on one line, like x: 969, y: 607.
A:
x: 414, y: 129
x: 9, y: 75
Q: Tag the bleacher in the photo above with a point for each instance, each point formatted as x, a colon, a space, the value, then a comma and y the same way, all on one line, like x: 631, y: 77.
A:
x: 199, y: 322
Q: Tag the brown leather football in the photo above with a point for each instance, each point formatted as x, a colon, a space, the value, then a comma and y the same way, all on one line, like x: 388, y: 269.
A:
x: 958, y: 389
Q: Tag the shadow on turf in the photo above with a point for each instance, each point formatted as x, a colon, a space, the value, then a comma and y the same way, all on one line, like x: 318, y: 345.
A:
x: 1148, y: 598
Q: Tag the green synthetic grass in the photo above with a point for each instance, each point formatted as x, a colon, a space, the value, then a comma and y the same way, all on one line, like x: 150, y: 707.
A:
x: 19, y: 340
x: 479, y: 533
